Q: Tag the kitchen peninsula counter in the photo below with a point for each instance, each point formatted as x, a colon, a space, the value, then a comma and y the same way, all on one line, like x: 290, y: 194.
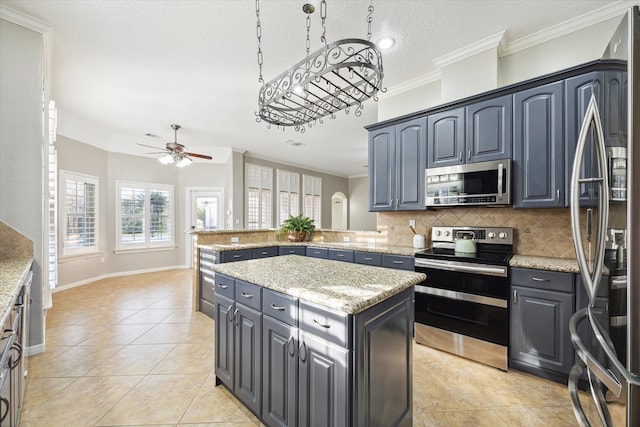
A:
x: 350, y: 288
x: 16, y: 257
x: 354, y: 246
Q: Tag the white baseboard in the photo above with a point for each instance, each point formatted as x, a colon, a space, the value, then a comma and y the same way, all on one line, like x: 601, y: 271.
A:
x: 118, y: 274
x: 34, y: 349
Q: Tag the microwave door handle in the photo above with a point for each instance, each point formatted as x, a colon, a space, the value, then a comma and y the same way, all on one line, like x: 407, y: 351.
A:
x: 500, y: 173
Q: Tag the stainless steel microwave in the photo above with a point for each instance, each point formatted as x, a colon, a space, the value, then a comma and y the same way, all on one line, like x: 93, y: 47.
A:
x: 472, y: 184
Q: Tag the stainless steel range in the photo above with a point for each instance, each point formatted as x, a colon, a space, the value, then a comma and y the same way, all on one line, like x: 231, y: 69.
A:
x: 462, y: 306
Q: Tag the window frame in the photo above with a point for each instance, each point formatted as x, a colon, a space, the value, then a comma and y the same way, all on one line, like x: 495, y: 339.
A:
x: 66, y: 175
x: 315, y: 182
x: 287, y: 182
x: 147, y: 244
x: 264, y: 191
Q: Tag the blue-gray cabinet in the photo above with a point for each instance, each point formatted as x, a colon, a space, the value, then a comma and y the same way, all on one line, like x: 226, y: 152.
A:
x: 345, y: 255
x: 206, y: 278
x: 538, y: 147
x: 542, y: 303
x: 445, y: 135
x: 292, y: 250
x: 614, y: 115
x: 397, y: 161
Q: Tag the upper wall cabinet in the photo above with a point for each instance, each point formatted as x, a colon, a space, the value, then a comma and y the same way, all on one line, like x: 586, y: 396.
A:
x: 538, y: 147
x: 397, y: 161
x: 475, y: 133
x: 614, y: 115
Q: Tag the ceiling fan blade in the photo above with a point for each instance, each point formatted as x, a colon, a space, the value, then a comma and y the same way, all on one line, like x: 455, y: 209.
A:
x: 200, y: 156
x: 150, y: 146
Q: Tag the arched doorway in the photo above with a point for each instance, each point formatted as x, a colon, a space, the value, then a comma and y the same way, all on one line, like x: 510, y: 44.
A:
x: 338, y: 211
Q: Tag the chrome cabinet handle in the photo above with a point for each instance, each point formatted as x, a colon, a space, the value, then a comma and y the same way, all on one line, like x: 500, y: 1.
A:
x: 322, y: 325
x: 500, y: 173
x: 291, y: 347
x: 558, y: 195
x: 460, y: 156
x: 229, y: 318
x: 246, y: 295
x: 366, y: 258
x: 275, y: 307
x: 515, y: 296
x: 538, y: 279
x: 221, y: 286
x: 237, y: 256
x: 235, y: 317
x: 398, y: 262
x: 469, y: 154
x: 302, y: 353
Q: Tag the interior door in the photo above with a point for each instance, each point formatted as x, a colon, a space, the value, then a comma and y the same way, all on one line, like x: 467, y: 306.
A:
x: 205, y: 212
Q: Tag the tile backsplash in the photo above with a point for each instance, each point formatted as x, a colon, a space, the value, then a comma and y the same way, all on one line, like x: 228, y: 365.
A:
x: 538, y: 232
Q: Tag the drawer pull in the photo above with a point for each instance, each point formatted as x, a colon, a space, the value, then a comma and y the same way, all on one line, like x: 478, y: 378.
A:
x: 340, y: 255
x: 398, y: 262
x: 264, y: 253
x: 291, y: 347
x: 538, y: 279
x: 275, y: 307
x: 237, y: 256
x: 302, y: 353
x: 220, y: 285
x: 292, y: 252
x: 229, y: 318
x: 247, y: 295
x: 367, y: 258
x: 322, y: 325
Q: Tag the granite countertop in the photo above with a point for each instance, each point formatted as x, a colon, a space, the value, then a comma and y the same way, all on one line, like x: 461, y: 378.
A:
x: 566, y: 265
x: 350, y: 288
x: 13, y: 271
x: 356, y: 246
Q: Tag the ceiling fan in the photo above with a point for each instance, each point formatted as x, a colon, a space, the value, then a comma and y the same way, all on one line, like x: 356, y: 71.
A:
x: 175, y: 152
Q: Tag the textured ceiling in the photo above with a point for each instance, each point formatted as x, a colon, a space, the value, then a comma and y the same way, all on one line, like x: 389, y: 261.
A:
x: 122, y: 69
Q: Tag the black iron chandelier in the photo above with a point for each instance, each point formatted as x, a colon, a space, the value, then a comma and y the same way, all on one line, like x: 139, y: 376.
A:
x: 337, y: 77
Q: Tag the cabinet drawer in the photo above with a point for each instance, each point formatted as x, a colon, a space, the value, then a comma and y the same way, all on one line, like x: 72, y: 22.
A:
x: 398, y: 261
x: 341, y: 255
x: 231, y: 256
x: 293, y: 250
x: 207, y: 255
x: 368, y: 258
x: 224, y: 285
x: 248, y: 294
x: 317, y: 252
x: 542, y: 279
x: 280, y: 306
x: 330, y: 325
x: 208, y: 308
x: 207, y: 288
x: 265, y: 252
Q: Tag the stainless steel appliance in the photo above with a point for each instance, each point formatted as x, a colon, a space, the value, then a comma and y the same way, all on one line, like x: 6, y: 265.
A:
x: 472, y: 184
x: 462, y: 306
x: 614, y: 179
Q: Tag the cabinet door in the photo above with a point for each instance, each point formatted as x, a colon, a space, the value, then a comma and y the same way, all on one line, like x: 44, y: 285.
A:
x: 538, y: 147
x: 248, y: 353
x: 445, y: 136
x: 578, y: 91
x: 382, y: 163
x: 489, y: 129
x: 539, y: 329
x: 324, y: 376
x: 614, y: 115
x: 279, y: 373
x: 224, y: 340
x: 411, y: 155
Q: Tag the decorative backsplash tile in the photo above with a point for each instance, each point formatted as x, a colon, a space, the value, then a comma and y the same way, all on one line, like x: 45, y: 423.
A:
x: 13, y: 244
x: 538, y: 232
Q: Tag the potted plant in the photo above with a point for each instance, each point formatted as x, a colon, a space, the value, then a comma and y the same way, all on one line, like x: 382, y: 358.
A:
x: 296, y: 228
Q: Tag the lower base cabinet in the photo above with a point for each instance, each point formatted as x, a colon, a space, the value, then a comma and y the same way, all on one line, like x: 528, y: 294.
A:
x: 321, y: 367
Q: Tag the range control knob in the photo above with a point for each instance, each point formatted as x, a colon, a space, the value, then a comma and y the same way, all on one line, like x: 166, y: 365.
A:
x: 447, y: 233
x: 502, y: 235
x: 492, y: 235
x: 438, y: 232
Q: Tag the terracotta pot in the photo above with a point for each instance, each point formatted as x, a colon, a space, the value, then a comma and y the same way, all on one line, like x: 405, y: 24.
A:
x: 296, y: 237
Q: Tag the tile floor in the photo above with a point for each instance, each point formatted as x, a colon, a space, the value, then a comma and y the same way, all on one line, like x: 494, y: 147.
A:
x: 130, y: 351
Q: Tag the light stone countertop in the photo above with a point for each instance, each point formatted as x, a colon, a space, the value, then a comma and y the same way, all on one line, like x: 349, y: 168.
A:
x: 566, y: 265
x: 13, y: 271
x: 347, y: 287
x: 366, y: 247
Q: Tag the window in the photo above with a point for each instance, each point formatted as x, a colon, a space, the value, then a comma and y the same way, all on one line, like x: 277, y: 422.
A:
x: 312, y: 197
x: 144, y: 215
x: 80, y: 213
x: 259, y: 182
x: 288, y: 194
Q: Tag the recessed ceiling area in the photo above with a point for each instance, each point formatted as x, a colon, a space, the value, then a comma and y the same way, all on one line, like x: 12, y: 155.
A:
x: 123, y: 71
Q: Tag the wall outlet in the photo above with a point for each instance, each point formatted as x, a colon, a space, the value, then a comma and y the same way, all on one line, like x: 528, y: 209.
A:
x: 371, y: 240
x: 346, y: 239
x: 235, y: 240
x: 412, y: 223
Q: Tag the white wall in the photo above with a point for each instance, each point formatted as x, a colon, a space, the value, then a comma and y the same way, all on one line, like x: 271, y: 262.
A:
x: 360, y: 219
x: 21, y: 150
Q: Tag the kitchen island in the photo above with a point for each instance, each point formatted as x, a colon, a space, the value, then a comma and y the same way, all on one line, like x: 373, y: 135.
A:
x: 304, y: 340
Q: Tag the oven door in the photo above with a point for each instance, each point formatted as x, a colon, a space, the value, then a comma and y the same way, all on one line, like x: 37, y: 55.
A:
x: 486, y: 322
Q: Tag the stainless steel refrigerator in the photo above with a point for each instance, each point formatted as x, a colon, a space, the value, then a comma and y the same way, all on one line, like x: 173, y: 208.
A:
x: 606, y: 236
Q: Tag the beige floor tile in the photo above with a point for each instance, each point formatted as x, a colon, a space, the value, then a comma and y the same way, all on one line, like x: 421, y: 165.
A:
x: 149, y: 315
x: 145, y: 404
x: 177, y: 333
x: 81, y: 403
x: 73, y: 362
x: 69, y: 335
x: 107, y: 316
x: 187, y: 359
x: 187, y: 315
x: 120, y: 334
x: 133, y: 360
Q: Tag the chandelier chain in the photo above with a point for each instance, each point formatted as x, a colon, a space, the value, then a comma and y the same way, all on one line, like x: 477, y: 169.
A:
x: 259, y: 36
x: 369, y: 19
x: 323, y: 18
x: 308, y: 29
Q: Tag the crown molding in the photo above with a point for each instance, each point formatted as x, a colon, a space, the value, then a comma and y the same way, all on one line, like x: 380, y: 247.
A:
x: 491, y: 42
x: 613, y: 10
x: 409, y: 85
x: 25, y: 20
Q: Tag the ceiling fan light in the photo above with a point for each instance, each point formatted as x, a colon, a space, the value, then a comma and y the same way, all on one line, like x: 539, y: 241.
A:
x: 185, y: 161
x: 167, y: 159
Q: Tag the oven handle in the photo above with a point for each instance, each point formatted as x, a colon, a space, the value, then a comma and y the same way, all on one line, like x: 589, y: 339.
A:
x: 500, y: 172
x: 461, y: 296
x: 465, y: 268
